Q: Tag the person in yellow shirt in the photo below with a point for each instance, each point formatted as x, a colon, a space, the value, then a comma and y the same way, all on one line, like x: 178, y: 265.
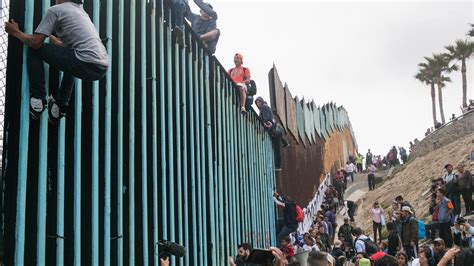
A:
x: 359, y: 160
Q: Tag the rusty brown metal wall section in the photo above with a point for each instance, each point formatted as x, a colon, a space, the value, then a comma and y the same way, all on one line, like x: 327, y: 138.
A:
x: 277, y: 96
x: 321, y: 139
x: 290, y: 113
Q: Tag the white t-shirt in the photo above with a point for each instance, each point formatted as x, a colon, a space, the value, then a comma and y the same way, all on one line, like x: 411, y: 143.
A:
x: 350, y: 168
x: 310, y: 248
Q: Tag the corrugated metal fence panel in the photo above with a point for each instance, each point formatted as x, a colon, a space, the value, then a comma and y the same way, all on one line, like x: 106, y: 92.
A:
x: 317, y: 121
x: 323, y: 122
x: 307, y: 123
x: 277, y: 96
x: 292, y: 125
x: 300, y: 120
x: 156, y: 150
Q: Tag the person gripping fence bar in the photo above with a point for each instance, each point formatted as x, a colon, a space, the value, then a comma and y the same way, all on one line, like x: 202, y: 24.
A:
x: 75, y: 48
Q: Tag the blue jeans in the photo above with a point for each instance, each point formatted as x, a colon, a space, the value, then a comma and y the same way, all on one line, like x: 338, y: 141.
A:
x: 431, y: 229
x: 63, y: 59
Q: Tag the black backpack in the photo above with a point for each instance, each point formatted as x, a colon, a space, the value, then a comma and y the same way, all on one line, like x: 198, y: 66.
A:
x: 370, y: 246
x: 251, y: 88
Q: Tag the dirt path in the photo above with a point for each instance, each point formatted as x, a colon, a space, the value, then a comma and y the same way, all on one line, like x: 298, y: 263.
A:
x: 356, y: 191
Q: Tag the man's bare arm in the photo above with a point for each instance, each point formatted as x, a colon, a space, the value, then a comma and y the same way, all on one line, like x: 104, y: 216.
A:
x: 31, y: 40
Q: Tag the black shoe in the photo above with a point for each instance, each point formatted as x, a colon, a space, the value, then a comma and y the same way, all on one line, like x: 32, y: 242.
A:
x: 179, y: 34
x: 243, y: 111
x: 54, y: 113
x: 286, y: 145
x: 37, y: 107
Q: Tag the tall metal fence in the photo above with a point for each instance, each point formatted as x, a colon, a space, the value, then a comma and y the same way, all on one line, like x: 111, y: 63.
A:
x: 156, y: 150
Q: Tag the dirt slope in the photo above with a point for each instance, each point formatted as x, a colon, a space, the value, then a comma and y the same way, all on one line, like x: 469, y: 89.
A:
x: 414, y: 180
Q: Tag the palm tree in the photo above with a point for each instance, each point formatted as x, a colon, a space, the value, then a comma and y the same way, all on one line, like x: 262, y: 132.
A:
x: 437, y: 66
x: 424, y: 75
x: 461, y: 51
x: 471, y: 31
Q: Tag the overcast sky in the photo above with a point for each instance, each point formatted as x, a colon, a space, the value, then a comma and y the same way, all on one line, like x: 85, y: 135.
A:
x: 362, y: 55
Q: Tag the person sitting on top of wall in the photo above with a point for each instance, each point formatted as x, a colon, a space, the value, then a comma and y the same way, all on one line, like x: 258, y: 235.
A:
x: 241, y: 76
x: 75, y: 48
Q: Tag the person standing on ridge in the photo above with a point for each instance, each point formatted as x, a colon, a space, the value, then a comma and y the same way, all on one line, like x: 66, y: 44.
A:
x: 452, y: 188
x: 371, y: 176
x: 359, y: 160
x: 75, y: 48
x: 368, y: 158
x: 403, y: 155
x: 465, y: 187
x: 350, y: 169
x: 409, y: 232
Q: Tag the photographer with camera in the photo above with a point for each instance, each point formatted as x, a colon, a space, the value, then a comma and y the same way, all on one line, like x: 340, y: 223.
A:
x: 167, y: 249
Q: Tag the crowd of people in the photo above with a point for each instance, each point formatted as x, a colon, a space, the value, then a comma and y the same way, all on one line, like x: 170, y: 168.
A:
x: 398, y: 236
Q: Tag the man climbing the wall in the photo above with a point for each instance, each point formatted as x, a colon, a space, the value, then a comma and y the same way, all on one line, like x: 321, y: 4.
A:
x: 203, y: 24
x: 75, y: 48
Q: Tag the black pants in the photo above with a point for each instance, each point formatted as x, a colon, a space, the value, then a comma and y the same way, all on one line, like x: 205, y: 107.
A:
x: 278, y: 140
x: 467, y: 197
x: 431, y: 229
x: 410, y: 251
x: 377, y: 227
x: 359, y: 167
x: 64, y: 59
x: 445, y: 233
x: 371, y: 179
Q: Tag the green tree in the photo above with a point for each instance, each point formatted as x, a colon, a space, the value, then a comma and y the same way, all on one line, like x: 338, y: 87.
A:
x: 462, y: 51
x: 437, y: 66
x: 424, y: 75
x: 471, y: 31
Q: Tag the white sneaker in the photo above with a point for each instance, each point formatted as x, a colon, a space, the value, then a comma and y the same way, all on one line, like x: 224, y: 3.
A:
x: 36, y: 107
x: 54, y: 113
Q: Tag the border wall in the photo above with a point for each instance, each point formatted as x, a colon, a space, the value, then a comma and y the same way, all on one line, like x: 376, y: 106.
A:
x: 321, y: 139
x: 156, y: 150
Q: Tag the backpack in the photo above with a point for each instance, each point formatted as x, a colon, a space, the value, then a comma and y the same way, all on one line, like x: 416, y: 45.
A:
x: 299, y: 214
x: 421, y: 229
x: 251, y: 88
x: 370, y: 246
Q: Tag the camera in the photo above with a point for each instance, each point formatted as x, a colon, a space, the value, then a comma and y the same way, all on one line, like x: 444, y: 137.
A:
x: 168, y: 248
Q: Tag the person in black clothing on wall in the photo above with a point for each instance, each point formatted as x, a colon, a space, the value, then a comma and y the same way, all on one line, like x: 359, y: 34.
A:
x: 288, y: 224
x: 266, y: 117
